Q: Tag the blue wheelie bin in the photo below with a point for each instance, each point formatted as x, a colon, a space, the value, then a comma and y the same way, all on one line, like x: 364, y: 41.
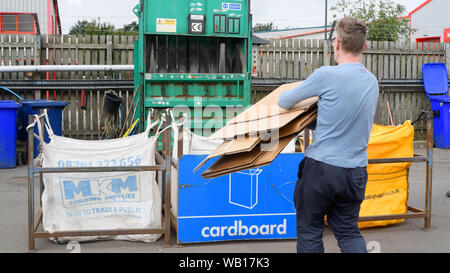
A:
x: 435, y: 80
x: 34, y: 107
x: 8, y: 131
x: 441, y: 121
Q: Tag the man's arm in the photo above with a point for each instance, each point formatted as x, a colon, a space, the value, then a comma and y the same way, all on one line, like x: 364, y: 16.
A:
x: 311, y: 87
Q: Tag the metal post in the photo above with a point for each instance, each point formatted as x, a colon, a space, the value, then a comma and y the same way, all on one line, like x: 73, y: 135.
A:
x: 326, y: 17
x: 41, y: 150
x: 65, y: 68
x: 429, y: 171
x: 327, y: 52
x: 30, y: 187
x: 155, y: 117
x: 41, y: 189
x: 168, y: 158
x: 180, y: 140
x: 306, y: 139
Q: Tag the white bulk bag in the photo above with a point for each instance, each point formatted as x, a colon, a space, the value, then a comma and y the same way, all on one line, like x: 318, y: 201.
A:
x: 103, y: 200
x: 192, y: 144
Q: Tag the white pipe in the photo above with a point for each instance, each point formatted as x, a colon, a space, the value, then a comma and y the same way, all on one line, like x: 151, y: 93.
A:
x: 64, y: 68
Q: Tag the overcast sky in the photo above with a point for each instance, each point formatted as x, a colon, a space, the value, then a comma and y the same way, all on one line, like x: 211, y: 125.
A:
x: 284, y: 13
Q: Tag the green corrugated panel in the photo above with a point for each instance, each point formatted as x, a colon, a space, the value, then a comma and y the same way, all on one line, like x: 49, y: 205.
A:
x: 191, y: 49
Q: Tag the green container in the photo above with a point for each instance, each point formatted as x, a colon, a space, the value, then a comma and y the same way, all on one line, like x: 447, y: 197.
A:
x: 194, y: 56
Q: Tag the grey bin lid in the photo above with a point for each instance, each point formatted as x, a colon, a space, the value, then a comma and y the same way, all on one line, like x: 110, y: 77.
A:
x: 258, y: 41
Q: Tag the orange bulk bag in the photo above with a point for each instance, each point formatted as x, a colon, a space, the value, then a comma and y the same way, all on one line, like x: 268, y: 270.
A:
x: 387, y: 183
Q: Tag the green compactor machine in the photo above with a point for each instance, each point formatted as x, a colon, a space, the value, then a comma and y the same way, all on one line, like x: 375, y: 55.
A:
x: 194, y: 56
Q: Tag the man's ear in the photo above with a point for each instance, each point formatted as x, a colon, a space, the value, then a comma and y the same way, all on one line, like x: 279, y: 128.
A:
x: 365, y: 46
x: 337, y: 43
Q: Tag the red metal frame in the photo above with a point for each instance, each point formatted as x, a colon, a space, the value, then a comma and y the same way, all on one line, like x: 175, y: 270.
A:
x: 419, y: 7
x: 446, y: 37
x: 304, y: 34
x: 50, y: 22
x: 432, y: 39
x: 17, y: 23
x: 53, y: 19
x: 427, y: 43
x: 57, y: 18
x: 412, y: 12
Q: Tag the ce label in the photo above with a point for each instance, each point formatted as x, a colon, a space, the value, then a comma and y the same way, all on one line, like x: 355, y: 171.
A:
x: 197, y: 27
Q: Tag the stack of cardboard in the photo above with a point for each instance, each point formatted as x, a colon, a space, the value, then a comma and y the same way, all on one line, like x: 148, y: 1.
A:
x: 255, y: 137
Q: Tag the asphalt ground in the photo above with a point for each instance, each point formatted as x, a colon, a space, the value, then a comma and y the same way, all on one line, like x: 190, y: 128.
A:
x: 406, y: 237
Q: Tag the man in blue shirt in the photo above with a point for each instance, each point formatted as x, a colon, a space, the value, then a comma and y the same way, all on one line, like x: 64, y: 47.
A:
x: 333, y: 175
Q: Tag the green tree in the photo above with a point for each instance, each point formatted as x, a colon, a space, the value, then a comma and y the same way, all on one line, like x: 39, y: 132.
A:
x: 131, y: 27
x: 381, y: 16
x: 92, y: 27
x: 101, y: 29
x: 264, y: 27
x: 79, y: 27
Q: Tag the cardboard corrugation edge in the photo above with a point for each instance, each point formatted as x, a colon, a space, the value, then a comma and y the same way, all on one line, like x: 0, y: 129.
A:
x: 265, y: 111
x: 252, y: 127
x: 292, y: 128
x: 229, y: 148
x: 230, y: 162
x: 268, y: 105
x: 263, y: 158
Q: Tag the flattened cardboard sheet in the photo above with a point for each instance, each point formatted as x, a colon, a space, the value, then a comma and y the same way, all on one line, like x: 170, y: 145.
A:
x: 264, y: 115
x: 241, y: 147
x: 268, y: 106
x: 229, y: 162
x: 230, y: 131
x: 260, y: 156
x: 232, y: 147
x: 295, y: 126
x: 274, y: 126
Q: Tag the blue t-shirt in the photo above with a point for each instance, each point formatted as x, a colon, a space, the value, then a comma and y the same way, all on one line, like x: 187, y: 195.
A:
x: 348, y: 96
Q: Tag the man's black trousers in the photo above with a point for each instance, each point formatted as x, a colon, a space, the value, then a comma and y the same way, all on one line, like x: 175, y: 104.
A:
x: 331, y: 191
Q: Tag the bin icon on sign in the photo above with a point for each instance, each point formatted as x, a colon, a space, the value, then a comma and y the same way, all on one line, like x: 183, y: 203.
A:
x: 243, y: 188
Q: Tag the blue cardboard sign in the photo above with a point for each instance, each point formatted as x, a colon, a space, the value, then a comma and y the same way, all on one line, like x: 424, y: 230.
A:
x: 252, y: 204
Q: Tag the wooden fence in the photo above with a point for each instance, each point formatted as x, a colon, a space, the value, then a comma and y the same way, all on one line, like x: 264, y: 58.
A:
x: 279, y: 61
x: 67, y: 50
x: 286, y: 60
x: 294, y: 58
x: 70, y: 50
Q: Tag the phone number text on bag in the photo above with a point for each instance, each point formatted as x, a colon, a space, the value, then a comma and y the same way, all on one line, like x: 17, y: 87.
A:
x: 124, y: 161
